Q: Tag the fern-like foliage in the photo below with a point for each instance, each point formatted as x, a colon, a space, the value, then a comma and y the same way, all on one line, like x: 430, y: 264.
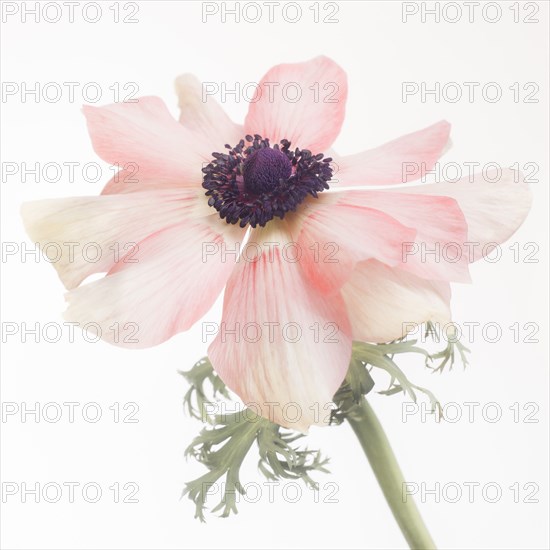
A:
x: 227, y: 438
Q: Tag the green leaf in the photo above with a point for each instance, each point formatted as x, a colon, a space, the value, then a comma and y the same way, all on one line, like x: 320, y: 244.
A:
x: 223, y: 446
x: 227, y: 439
x: 199, y: 377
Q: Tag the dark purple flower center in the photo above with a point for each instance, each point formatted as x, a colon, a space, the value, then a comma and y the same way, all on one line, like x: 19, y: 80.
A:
x: 264, y: 169
x: 254, y: 184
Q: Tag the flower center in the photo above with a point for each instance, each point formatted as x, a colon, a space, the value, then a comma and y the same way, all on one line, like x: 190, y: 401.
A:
x: 253, y: 184
x: 264, y: 169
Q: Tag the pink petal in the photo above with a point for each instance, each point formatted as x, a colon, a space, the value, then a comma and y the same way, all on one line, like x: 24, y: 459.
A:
x: 337, y: 236
x: 386, y: 303
x: 292, y: 346
x: 494, y: 210
x: 168, y: 288
x: 314, y: 119
x: 144, y: 139
x: 404, y: 159
x: 86, y: 235
x: 204, y: 116
x: 437, y: 252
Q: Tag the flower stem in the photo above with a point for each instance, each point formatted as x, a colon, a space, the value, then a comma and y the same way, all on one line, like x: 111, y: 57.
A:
x: 371, y: 435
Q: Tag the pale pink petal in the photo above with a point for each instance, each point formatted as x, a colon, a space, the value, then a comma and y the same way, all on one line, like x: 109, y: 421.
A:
x: 292, y: 347
x: 171, y: 284
x: 386, y: 303
x: 311, y: 120
x: 334, y: 237
x: 129, y: 180
x: 404, y: 159
x: 144, y: 139
x: 437, y: 252
x: 493, y: 209
x: 86, y: 235
x: 203, y: 115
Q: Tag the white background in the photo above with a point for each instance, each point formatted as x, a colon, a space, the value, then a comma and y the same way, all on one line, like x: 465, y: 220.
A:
x: 378, y: 52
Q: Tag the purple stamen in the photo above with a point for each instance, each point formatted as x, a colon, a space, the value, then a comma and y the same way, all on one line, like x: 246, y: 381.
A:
x: 253, y: 185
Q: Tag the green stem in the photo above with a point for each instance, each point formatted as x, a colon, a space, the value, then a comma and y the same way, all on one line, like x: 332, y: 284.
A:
x: 371, y: 435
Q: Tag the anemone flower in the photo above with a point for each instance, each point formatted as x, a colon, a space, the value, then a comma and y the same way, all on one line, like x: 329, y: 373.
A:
x: 332, y: 260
